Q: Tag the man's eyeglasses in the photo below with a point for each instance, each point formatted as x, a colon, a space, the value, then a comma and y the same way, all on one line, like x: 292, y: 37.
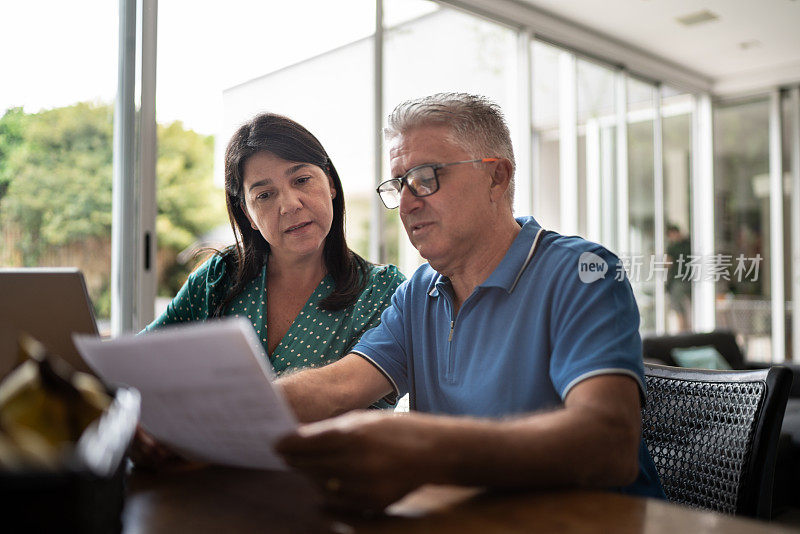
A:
x: 422, y: 181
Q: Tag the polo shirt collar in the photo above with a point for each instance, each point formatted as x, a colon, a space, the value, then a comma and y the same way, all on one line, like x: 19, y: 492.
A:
x: 513, y: 263
x: 440, y: 283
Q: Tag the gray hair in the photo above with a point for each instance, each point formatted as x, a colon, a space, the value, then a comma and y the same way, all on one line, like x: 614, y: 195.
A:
x: 476, y: 124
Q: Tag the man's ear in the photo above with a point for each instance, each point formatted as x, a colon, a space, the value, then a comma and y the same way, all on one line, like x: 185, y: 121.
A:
x: 501, y: 178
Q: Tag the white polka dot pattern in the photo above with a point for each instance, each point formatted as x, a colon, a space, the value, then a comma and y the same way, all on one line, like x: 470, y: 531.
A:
x: 318, y: 335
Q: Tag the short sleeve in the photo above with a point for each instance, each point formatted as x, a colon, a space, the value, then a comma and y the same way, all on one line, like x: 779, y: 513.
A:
x: 595, y: 326
x: 383, y: 281
x: 384, y: 346
x: 197, y: 297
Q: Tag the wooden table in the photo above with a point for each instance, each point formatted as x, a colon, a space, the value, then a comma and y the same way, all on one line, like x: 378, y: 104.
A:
x: 220, y: 499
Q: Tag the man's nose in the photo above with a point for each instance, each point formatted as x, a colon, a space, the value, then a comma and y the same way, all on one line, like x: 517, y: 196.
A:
x: 409, y: 202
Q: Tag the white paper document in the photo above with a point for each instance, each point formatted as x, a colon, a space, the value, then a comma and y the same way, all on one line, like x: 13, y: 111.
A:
x: 206, y: 389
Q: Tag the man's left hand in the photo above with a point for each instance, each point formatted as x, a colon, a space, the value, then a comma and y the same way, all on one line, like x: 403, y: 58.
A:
x: 363, y: 460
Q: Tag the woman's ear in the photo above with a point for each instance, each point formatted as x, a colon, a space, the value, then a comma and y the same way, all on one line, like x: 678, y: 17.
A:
x: 332, y: 187
x: 243, y: 205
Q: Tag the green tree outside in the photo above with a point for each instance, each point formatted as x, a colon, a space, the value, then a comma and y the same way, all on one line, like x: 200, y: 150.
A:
x: 188, y: 203
x: 55, y: 193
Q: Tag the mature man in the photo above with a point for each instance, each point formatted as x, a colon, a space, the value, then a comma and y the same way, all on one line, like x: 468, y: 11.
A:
x: 519, y: 347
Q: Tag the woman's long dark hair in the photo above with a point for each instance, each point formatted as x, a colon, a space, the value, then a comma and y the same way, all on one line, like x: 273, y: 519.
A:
x: 287, y: 140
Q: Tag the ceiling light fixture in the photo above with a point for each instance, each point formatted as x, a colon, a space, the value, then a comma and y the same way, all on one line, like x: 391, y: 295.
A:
x: 752, y: 43
x: 699, y: 17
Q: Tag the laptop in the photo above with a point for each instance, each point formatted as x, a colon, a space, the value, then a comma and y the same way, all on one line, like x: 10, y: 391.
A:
x: 49, y: 304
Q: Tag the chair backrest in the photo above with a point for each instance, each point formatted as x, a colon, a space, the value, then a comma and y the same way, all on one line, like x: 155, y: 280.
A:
x: 713, y: 435
x: 660, y: 347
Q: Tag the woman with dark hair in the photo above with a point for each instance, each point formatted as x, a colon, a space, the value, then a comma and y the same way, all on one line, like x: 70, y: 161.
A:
x: 290, y: 272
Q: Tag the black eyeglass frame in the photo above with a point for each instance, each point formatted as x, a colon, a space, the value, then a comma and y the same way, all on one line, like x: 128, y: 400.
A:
x: 403, y: 180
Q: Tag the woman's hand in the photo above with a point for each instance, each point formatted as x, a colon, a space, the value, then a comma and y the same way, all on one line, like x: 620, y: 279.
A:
x: 150, y: 455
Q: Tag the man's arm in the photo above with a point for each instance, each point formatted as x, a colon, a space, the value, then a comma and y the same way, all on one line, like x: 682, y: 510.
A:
x: 377, y: 458
x: 593, y: 441
x: 348, y: 384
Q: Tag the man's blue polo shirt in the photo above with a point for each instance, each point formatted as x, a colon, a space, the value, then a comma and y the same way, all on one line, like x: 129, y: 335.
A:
x: 557, y: 310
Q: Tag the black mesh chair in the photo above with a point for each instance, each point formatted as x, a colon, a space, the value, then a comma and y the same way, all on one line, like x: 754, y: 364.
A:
x: 713, y: 435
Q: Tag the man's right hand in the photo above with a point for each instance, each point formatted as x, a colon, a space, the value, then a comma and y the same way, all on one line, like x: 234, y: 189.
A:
x: 347, y: 384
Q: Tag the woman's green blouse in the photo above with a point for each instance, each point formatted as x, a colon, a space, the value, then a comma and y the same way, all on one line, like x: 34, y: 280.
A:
x: 316, y: 337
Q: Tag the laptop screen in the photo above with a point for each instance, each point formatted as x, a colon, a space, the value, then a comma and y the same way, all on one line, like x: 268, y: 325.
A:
x: 49, y: 304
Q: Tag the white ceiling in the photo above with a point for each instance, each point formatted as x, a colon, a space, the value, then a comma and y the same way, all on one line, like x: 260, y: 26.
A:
x: 714, y: 49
